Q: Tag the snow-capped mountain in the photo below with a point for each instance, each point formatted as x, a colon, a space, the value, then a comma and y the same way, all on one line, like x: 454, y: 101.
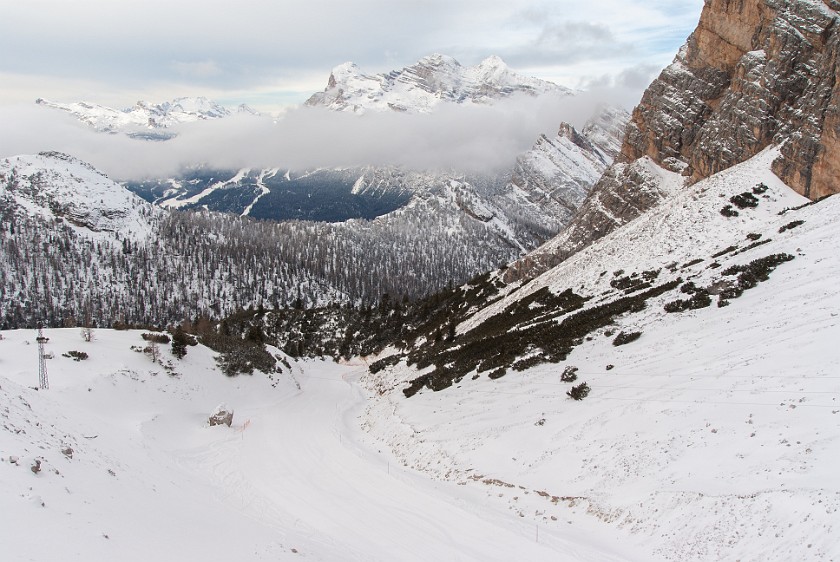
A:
x: 421, y: 230
x: 61, y: 188
x: 657, y: 383
x: 421, y: 87
x: 703, y: 438
x: 144, y: 119
x: 79, y: 243
x: 526, y: 205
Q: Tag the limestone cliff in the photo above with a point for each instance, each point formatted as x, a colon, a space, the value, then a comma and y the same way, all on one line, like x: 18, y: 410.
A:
x: 753, y: 73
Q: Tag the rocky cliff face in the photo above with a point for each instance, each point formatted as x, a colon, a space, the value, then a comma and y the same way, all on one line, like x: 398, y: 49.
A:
x: 753, y: 73
x: 558, y: 172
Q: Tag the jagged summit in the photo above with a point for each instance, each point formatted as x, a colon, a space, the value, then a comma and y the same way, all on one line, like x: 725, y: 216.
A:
x: 418, y: 88
x: 558, y: 172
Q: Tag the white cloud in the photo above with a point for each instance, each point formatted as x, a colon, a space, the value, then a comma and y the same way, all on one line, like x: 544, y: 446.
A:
x: 197, y: 69
x: 216, y: 48
x: 467, y: 138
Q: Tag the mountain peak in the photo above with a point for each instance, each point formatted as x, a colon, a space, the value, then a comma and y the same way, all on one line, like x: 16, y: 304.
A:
x: 493, y: 61
x: 420, y: 87
x: 437, y: 59
x: 346, y: 69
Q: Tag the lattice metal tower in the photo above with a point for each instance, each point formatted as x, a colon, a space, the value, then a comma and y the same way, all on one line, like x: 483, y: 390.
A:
x: 42, y: 360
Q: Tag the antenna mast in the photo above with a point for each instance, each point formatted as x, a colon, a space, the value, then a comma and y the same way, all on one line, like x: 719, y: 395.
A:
x: 42, y: 361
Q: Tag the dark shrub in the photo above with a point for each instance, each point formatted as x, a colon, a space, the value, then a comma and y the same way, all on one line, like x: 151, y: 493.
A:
x: 579, y: 392
x: 728, y: 211
x: 626, y: 337
x: 389, y: 361
x: 744, y: 200
x: 498, y: 373
x: 245, y: 359
x: 75, y: 355
x: 725, y: 251
x: 790, y: 225
x: 700, y: 299
x: 157, y: 338
x: 527, y: 363
x: 689, y: 288
x: 180, y: 341
x: 569, y: 374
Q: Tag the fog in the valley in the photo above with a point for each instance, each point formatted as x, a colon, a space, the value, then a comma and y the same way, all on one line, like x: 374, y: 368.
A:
x: 467, y: 138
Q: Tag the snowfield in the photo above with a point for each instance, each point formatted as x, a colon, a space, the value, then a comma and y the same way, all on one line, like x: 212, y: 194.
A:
x: 131, y: 470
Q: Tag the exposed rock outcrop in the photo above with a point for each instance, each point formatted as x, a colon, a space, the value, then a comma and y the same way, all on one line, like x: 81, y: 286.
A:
x: 222, y: 415
x: 753, y: 73
x: 557, y: 173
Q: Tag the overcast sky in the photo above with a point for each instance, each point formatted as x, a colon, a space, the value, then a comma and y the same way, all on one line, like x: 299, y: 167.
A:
x: 274, y: 53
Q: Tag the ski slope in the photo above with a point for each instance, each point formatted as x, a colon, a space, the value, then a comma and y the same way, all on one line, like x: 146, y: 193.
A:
x: 295, y: 476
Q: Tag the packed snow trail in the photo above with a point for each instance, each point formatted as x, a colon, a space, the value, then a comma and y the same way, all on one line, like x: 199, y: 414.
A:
x: 302, y: 466
x: 130, y: 469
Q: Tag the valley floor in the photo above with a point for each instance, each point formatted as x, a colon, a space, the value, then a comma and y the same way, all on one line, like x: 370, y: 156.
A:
x: 129, y: 469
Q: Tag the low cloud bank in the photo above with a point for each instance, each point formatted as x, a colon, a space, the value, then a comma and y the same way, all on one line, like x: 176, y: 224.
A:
x: 460, y: 137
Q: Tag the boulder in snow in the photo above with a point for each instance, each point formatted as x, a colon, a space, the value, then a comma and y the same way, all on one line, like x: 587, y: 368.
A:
x: 221, y: 415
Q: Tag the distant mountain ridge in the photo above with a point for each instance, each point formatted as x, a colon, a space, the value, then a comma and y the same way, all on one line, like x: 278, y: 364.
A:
x: 419, y: 88
x: 425, y: 228
x: 144, y: 119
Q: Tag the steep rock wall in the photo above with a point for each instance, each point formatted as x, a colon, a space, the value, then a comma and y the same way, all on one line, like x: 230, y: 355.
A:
x: 753, y: 73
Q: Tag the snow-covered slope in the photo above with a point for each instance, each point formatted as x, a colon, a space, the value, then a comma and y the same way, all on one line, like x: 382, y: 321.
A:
x: 144, y: 119
x: 419, y: 88
x: 59, y: 187
x: 127, y: 467
x: 713, y: 436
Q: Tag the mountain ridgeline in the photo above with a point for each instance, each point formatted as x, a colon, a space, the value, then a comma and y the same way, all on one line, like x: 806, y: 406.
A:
x: 434, y: 80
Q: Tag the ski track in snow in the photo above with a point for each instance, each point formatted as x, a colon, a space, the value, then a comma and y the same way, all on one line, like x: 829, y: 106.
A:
x: 296, y: 475
x: 263, y: 189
